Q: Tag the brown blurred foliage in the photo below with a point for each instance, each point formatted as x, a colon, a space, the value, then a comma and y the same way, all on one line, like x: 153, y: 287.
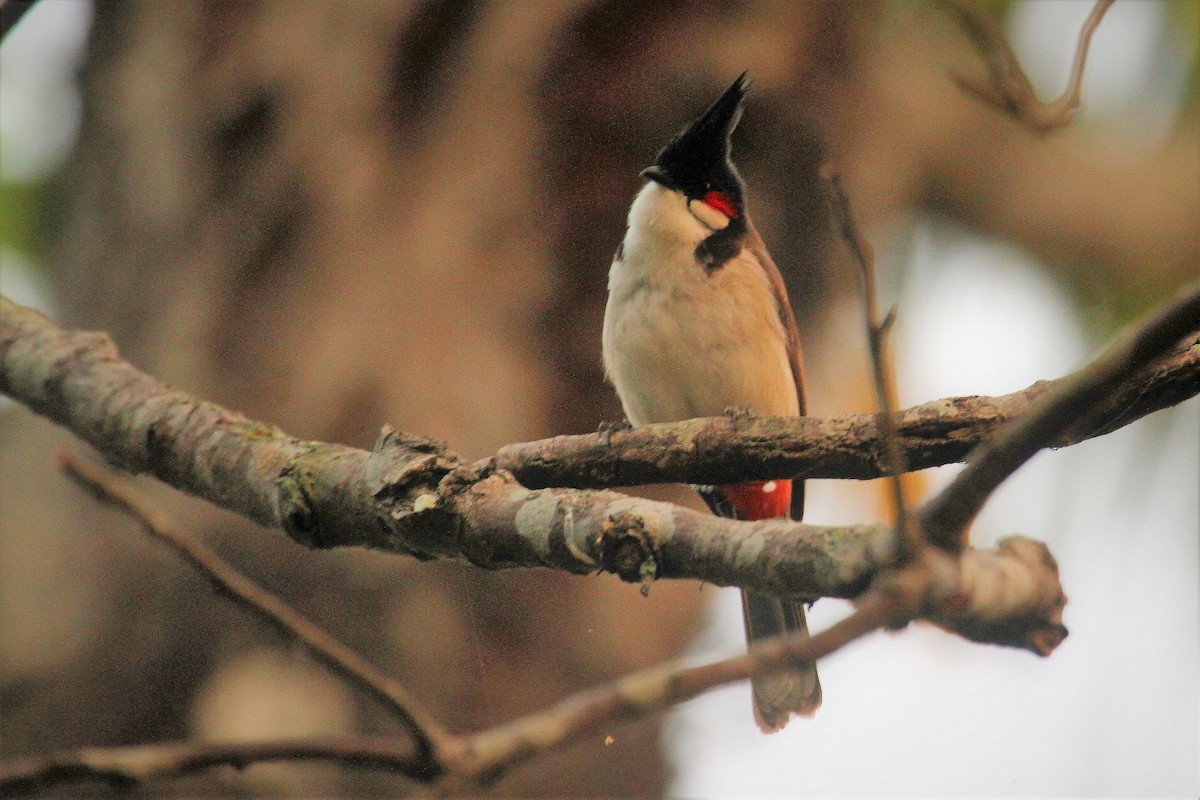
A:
x: 336, y: 215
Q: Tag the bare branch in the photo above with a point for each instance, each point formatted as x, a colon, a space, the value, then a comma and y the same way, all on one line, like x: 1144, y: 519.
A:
x: 1008, y: 89
x: 1073, y: 405
x: 760, y: 448
x: 652, y: 690
x: 347, y: 664
x: 124, y: 767
x: 411, y: 496
x: 907, y: 538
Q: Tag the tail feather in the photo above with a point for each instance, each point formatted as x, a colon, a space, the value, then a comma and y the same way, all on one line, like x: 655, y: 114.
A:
x: 779, y: 695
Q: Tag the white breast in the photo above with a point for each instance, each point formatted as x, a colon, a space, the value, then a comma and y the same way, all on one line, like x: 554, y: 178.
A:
x: 680, y: 342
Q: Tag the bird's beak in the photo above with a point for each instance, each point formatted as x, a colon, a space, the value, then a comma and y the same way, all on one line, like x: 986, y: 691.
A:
x: 656, y: 174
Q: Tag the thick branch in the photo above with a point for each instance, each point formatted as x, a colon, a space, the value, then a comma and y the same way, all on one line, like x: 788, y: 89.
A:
x: 409, y: 495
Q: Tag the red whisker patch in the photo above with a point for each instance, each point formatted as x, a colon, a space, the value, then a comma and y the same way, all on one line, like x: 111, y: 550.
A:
x: 721, y: 202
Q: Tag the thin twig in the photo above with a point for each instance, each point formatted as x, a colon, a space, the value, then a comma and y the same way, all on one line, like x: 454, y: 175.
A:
x: 974, y: 593
x: 1072, y: 405
x: 907, y: 538
x: 1009, y: 88
x: 1013, y: 590
x: 428, y: 734
x: 492, y: 752
x: 125, y: 767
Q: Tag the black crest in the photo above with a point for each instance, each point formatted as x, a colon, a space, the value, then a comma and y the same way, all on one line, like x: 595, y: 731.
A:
x: 697, y: 160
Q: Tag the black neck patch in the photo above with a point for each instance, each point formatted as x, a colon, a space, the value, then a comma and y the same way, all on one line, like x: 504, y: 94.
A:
x: 720, y: 247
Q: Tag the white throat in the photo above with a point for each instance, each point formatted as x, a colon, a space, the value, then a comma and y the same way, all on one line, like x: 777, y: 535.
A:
x: 681, y: 340
x: 665, y: 228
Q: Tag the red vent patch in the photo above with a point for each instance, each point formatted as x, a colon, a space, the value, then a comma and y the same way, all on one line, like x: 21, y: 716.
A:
x: 759, y: 499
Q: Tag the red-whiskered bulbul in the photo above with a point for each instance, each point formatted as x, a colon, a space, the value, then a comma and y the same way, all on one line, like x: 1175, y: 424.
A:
x: 698, y: 323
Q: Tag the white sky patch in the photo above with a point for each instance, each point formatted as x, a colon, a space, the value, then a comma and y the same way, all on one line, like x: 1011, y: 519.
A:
x: 1137, y: 67
x: 39, y: 99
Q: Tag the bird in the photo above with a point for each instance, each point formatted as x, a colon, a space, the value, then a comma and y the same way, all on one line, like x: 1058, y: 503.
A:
x: 698, y: 324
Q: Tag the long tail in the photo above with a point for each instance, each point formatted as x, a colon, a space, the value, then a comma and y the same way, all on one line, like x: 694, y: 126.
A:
x: 776, y: 696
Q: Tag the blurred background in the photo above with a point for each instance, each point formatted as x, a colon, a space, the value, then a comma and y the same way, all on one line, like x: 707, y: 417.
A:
x: 333, y: 216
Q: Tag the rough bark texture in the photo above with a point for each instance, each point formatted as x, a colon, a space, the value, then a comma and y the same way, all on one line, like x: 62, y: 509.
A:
x: 408, y: 495
x: 931, y: 434
x: 412, y: 496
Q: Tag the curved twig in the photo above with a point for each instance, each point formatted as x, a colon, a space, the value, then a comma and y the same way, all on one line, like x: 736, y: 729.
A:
x: 491, y: 753
x: 1009, y: 595
x: 428, y: 734
x: 1008, y: 89
x: 933, y: 585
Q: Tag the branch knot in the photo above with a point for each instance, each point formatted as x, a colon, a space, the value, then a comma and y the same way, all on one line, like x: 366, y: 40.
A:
x: 627, y: 549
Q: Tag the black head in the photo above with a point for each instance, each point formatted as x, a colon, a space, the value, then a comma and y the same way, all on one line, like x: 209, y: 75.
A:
x: 696, y: 162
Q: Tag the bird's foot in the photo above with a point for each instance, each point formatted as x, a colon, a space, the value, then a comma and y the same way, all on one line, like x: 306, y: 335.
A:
x: 607, y: 429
